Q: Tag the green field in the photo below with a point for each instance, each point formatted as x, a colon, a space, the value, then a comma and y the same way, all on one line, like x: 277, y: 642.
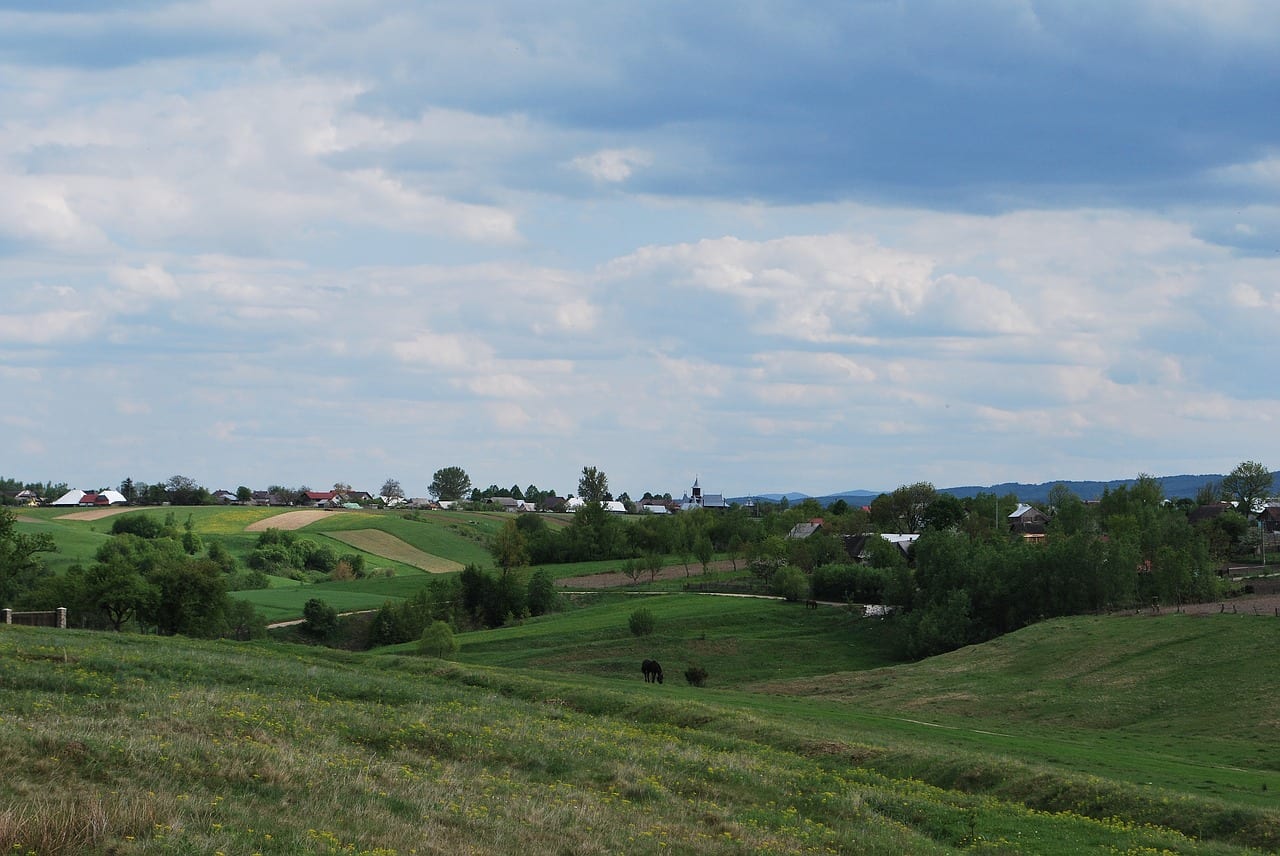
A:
x: 543, y: 738
x: 396, y: 544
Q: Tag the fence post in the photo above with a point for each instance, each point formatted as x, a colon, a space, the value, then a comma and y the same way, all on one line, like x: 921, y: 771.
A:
x: 8, y: 616
x: 62, y: 618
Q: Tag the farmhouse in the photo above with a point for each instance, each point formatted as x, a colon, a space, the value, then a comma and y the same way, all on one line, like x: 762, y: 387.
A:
x: 805, y: 528
x: 1027, y: 520
x: 856, y: 545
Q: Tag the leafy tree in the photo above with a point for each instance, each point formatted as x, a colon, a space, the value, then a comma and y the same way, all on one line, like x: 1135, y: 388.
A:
x: 21, y: 568
x: 319, y: 619
x: 1249, y: 484
x: 391, y: 489
x: 114, y: 589
x: 593, y: 486
x: 244, y: 494
x: 641, y: 621
x: 543, y: 597
x: 766, y: 557
x: 509, y: 548
x: 191, y: 598
x: 128, y: 491
x: 705, y: 551
x: 182, y: 490
x: 1208, y: 493
x: 437, y: 640
x: 944, y: 512
x: 450, y: 484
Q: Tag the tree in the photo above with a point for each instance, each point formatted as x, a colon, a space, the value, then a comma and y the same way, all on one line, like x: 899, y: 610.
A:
x: 244, y: 494
x: 542, y: 597
x: 437, y: 640
x: 128, y: 491
x: 391, y: 490
x: 593, y: 486
x: 509, y: 548
x: 1249, y: 484
x: 20, y: 568
x: 182, y: 490
x: 319, y: 618
x: 450, y: 484
x: 703, y: 549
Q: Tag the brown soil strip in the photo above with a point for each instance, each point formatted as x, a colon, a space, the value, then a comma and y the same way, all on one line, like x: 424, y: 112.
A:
x: 95, y: 513
x: 288, y: 520
x: 384, y: 544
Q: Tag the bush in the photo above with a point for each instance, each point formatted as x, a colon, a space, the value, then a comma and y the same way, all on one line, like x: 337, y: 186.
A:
x: 641, y: 621
x: 319, y: 618
x: 791, y: 583
x: 437, y: 640
x: 696, y: 676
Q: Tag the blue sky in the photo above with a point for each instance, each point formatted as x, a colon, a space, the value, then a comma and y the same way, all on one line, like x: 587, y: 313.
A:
x: 808, y: 247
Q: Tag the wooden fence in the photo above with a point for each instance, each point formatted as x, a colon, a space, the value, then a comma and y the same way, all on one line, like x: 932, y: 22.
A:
x: 51, y: 618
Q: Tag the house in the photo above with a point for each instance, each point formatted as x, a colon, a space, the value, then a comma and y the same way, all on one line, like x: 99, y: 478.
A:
x: 504, y: 503
x: 26, y: 497
x: 263, y: 497
x: 613, y: 506
x: 71, y: 497
x: 655, y: 506
x: 360, y: 497
x: 319, y: 498
x: 1027, y: 520
x: 552, y: 503
x: 1270, y: 518
x: 1208, y: 512
x: 856, y: 545
x: 225, y: 497
x: 805, y: 528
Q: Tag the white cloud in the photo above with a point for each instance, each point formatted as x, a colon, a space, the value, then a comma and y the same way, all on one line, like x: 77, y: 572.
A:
x: 612, y: 165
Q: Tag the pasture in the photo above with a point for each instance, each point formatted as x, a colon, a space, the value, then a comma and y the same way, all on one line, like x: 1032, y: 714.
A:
x: 172, y: 745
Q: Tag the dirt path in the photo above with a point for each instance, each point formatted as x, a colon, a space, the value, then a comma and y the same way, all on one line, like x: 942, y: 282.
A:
x: 288, y: 520
x: 95, y: 513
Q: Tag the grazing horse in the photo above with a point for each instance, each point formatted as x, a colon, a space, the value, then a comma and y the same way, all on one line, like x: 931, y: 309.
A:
x: 652, y: 671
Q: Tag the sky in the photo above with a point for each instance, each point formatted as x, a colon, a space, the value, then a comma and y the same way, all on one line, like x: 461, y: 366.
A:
x: 772, y: 246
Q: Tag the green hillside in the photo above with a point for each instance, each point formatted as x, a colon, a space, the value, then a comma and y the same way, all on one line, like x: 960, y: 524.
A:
x: 127, y: 744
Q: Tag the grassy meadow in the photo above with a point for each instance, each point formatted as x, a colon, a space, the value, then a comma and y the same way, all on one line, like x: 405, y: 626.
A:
x: 1073, y: 736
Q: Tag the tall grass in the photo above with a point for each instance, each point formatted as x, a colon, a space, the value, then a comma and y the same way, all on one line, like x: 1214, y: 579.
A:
x: 126, y: 744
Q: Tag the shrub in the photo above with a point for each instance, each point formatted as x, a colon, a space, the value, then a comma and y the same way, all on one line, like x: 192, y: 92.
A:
x: 641, y: 621
x: 437, y: 640
x: 696, y: 676
x: 791, y: 583
x: 319, y: 618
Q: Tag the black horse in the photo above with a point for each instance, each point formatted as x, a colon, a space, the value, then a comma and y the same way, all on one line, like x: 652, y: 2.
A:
x: 652, y: 671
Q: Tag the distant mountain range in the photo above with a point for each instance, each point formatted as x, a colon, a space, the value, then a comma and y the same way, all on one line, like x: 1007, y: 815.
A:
x: 1175, y: 487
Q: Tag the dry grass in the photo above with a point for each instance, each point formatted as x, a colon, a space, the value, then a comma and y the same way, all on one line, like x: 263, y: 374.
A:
x: 385, y: 544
